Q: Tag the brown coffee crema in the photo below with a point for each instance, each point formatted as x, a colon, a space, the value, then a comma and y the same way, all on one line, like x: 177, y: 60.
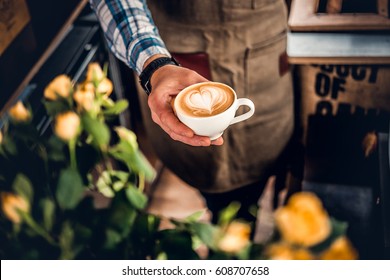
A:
x: 205, y: 99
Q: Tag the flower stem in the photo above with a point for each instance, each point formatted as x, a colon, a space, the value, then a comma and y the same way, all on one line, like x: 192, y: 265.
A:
x: 37, y: 228
x: 72, y: 152
x: 141, y: 184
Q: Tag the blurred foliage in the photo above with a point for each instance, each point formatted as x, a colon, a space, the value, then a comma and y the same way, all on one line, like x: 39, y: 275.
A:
x: 49, y: 184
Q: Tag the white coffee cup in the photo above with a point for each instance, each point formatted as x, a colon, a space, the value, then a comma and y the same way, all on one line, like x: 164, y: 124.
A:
x: 208, y: 108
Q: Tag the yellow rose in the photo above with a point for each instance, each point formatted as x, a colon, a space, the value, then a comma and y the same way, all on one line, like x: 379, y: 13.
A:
x: 88, y: 86
x: 341, y: 249
x: 67, y: 125
x: 84, y: 99
x: 105, y: 87
x: 11, y: 203
x: 236, y: 237
x: 19, y: 113
x: 283, y: 251
x: 303, y: 221
x: 60, y: 86
x: 94, y: 72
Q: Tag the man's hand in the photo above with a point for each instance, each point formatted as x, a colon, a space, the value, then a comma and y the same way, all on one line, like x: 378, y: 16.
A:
x: 166, y: 83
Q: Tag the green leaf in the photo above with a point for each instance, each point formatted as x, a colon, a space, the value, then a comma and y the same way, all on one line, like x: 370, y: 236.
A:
x: 105, y: 69
x: 9, y: 145
x: 70, y: 189
x: 146, y: 225
x: 162, y: 256
x: 107, y: 102
x: 338, y: 228
x: 153, y: 223
x: 111, y: 181
x: 99, y: 131
x: 119, y: 179
x: 195, y: 216
x: 137, y: 199
x: 142, y: 165
x: 119, y: 175
x: 104, y: 183
x: 117, y: 108
x: 121, y: 214
x: 35, y: 227
x: 196, y: 242
x: 113, y: 238
x: 208, y: 233
x: 23, y: 187
x: 134, y: 159
x: 55, y: 148
x: 127, y: 136
x: 48, y: 208
x: 55, y: 107
x: 229, y: 213
x: 253, y: 210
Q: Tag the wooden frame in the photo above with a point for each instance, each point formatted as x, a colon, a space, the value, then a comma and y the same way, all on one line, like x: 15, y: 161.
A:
x: 304, y: 17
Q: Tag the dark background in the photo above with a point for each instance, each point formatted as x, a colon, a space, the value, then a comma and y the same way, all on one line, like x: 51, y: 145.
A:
x: 47, y: 18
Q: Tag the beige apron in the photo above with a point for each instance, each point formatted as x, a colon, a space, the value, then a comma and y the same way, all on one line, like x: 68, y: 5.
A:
x: 245, y: 41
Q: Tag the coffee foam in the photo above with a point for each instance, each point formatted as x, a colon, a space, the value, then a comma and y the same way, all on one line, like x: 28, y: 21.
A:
x: 205, y: 99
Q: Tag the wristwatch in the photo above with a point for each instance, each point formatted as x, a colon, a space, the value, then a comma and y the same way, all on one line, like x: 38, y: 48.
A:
x: 146, y: 75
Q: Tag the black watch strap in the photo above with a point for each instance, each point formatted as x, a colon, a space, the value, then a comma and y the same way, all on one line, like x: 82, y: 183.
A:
x: 147, y: 73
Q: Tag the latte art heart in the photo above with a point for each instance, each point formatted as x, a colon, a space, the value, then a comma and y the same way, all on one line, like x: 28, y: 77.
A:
x: 205, y: 99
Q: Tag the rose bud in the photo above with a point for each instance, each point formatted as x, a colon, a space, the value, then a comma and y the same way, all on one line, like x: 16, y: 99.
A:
x: 60, y: 86
x: 105, y: 87
x: 84, y: 99
x: 235, y: 238
x: 94, y: 73
x: 19, y: 113
x: 11, y: 203
x: 67, y: 125
x: 304, y: 220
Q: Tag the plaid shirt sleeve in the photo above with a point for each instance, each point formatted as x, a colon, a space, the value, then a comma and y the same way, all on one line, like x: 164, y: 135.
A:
x: 130, y: 31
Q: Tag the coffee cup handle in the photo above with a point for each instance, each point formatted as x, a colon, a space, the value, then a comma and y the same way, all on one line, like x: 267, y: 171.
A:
x: 247, y: 115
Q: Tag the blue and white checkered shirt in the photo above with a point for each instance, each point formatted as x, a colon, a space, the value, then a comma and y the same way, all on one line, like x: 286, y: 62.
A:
x: 130, y: 31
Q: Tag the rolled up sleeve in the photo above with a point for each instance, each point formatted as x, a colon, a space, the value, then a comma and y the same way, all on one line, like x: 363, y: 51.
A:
x: 130, y: 31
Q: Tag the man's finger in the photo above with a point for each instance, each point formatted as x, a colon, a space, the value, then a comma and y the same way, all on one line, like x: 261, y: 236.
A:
x: 217, y: 142
x: 174, y: 124
x: 195, y: 140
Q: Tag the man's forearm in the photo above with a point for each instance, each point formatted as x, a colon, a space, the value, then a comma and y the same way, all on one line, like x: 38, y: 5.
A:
x: 129, y: 30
